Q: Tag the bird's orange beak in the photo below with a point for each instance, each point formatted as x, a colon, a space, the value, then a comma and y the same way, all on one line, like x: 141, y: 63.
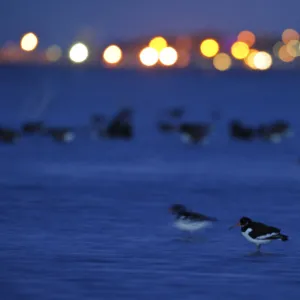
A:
x: 235, y: 225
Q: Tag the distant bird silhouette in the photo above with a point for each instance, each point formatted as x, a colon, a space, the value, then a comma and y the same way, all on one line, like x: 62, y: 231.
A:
x: 32, y: 127
x: 239, y: 131
x: 8, y: 136
x: 61, y: 134
x: 275, y: 131
x: 188, y: 220
x: 194, y: 132
x: 177, y: 112
x: 121, y: 125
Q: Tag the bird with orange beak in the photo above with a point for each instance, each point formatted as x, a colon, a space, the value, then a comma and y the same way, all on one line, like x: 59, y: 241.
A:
x: 259, y: 233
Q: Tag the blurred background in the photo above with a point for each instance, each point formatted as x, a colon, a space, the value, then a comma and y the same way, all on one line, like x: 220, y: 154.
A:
x: 112, y: 111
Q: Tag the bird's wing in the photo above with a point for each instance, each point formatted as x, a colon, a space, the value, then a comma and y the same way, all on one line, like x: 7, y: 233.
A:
x: 198, y: 217
x: 263, y: 232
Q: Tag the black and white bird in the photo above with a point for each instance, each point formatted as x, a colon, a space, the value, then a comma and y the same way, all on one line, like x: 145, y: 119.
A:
x: 259, y: 233
x: 189, y: 221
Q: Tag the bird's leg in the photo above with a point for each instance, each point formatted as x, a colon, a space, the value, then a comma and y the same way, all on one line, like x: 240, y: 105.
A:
x: 258, y: 248
x: 189, y: 236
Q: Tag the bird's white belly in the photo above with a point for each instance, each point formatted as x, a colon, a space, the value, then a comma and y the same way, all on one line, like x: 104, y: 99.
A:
x: 185, y: 138
x: 255, y: 241
x: 190, y: 225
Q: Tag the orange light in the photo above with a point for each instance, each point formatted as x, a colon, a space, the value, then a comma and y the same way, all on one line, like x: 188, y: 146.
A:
x: 29, y: 42
x: 184, y: 43
x: 183, y: 59
x: 158, y: 43
x: 289, y: 34
x: 293, y: 48
x: 247, y: 37
x: 249, y: 60
x: 168, y: 56
x: 240, y: 50
x: 284, y: 55
x: 222, y: 62
x: 112, y: 54
x: 209, y: 48
x: 149, y: 57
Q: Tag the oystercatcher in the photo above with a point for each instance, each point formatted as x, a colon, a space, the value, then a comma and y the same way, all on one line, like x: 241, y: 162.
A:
x: 188, y: 220
x: 259, y: 233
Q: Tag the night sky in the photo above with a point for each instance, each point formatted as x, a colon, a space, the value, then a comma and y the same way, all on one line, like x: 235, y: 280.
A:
x: 64, y: 21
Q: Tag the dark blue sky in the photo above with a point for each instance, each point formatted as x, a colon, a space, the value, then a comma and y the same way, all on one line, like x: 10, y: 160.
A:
x: 62, y: 21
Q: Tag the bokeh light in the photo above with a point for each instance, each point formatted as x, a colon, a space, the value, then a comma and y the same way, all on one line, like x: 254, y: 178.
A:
x: 168, y: 56
x: 289, y: 34
x: 284, y: 55
x: 209, y: 48
x: 276, y: 48
x: 240, y: 50
x: 29, y: 42
x: 263, y: 60
x: 158, y: 43
x: 222, y: 62
x: 183, y: 43
x: 249, y: 60
x: 149, y: 57
x: 53, y: 53
x: 293, y: 48
x: 112, y: 54
x: 184, y: 59
x: 247, y: 37
x: 78, y: 53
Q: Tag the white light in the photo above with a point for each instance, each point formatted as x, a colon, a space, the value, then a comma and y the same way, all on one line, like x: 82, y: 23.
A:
x: 149, y: 57
x: 78, y: 53
x: 112, y: 54
x: 168, y: 56
x: 29, y: 42
x: 262, y: 60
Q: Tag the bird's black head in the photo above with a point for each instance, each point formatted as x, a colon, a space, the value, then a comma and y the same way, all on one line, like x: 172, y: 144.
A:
x: 244, y: 221
x: 177, y: 209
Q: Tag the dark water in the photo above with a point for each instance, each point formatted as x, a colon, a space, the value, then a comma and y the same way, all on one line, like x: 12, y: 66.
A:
x: 89, y: 220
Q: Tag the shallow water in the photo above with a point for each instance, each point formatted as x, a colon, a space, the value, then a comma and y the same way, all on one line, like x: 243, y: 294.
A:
x: 89, y: 220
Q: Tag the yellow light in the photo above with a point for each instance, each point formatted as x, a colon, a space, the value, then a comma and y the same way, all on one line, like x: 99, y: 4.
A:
x: 222, y: 62
x: 112, y: 54
x: 158, y: 43
x: 149, y: 57
x: 29, y: 42
x: 53, y: 53
x: 247, y: 37
x: 168, y: 56
x: 78, y: 53
x: 240, y: 50
x: 293, y: 48
x: 289, y: 34
x: 284, y: 55
x: 263, y: 60
x: 249, y: 60
x: 209, y: 48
